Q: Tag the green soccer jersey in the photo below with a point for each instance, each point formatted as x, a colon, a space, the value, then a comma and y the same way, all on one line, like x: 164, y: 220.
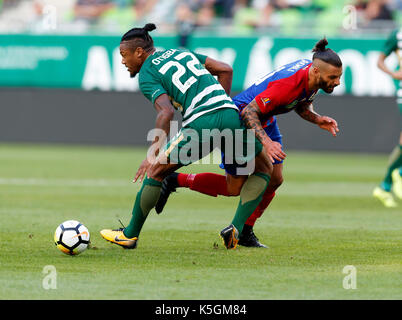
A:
x: 394, y: 44
x: 182, y: 76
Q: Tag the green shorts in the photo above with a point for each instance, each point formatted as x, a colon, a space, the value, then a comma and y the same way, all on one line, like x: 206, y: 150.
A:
x: 220, y: 129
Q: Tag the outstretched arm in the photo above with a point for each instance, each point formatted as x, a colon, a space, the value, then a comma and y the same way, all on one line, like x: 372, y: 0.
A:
x: 251, y: 116
x: 307, y: 112
x: 222, y: 70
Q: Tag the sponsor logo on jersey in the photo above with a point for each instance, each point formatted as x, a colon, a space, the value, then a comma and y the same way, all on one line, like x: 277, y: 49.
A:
x: 265, y: 100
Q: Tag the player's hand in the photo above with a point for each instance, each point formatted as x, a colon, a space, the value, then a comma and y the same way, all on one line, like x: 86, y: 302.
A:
x: 142, y: 170
x: 274, y: 151
x: 397, y: 75
x: 329, y: 124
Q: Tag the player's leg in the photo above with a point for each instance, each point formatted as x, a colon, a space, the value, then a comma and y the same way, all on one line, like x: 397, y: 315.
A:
x: 211, y: 184
x: 392, y: 180
x: 248, y: 237
x: 243, y: 147
x: 145, y: 200
x: 383, y: 191
x: 251, y: 195
x: 397, y: 172
x: 147, y: 197
x: 208, y: 183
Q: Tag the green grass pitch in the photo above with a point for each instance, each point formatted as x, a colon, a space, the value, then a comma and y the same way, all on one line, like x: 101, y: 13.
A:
x: 322, y: 219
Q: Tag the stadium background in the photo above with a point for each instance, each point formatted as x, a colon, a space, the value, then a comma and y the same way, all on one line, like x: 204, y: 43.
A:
x: 62, y: 81
x: 73, y: 130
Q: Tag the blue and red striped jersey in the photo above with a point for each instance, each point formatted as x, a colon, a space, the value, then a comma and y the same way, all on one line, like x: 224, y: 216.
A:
x: 279, y: 91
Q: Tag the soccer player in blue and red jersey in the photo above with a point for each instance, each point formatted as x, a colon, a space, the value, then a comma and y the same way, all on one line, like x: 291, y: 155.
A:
x: 290, y: 87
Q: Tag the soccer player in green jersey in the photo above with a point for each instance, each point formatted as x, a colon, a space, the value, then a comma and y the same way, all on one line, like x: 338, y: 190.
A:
x: 392, y: 181
x: 185, y: 80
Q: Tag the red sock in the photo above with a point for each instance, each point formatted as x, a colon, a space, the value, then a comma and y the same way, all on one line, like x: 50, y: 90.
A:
x: 266, y: 200
x: 207, y: 183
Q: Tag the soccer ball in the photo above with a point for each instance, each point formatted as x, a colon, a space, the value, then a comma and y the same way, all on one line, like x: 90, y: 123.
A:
x: 71, y: 237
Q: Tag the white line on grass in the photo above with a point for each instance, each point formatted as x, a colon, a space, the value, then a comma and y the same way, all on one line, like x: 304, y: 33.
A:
x: 345, y: 189
x: 65, y: 182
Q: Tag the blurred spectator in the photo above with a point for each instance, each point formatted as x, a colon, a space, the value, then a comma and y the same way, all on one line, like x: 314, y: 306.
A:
x: 252, y: 14
x: 289, y: 17
x: 6, y: 4
x: 191, y: 14
x: 91, y: 10
x: 374, y: 14
x: 143, y: 8
x: 185, y: 22
x: 163, y: 15
x: 378, y: 10
x: 225, y: 7
x: 283, y: 4
x: 206, y: 13
x: 33, y: 16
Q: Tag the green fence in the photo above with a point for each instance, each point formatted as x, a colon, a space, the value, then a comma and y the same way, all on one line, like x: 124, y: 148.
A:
x: 94, y: 63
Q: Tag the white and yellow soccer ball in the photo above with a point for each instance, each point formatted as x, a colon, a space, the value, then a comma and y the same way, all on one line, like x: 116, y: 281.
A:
x: 71, y: 237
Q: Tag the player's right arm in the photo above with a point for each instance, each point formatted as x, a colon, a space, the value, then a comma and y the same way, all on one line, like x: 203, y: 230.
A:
x: 165, y: 114
x: 152, y: 88
x: 251, y: 115
x: 390, y: 46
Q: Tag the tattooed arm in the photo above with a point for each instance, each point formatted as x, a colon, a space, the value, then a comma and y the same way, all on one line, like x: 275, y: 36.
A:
x: 307, y: 112
x: 251, y: 116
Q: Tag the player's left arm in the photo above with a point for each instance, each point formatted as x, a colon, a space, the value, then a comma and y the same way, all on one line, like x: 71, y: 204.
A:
x: 306, y: 111
x: 222, y: 70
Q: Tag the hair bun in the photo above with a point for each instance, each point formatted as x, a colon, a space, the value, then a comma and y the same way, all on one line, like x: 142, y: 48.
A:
x: 149, y: 27
x: 320, y: 45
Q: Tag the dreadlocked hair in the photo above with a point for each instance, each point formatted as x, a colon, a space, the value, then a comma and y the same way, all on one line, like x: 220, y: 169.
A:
x: 326, y: 54
x: 139, y: 37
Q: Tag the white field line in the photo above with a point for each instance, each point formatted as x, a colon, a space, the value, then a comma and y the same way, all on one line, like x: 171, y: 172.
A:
x: 65, y: 182
x: 348, y: 189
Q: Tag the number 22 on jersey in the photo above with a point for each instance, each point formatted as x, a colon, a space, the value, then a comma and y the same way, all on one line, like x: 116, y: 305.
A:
x: 181, y: 70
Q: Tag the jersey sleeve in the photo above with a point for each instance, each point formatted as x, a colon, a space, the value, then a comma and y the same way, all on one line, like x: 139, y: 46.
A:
x: 151, y: 85
x: 391, y: 44
x: 272, y: 97
x: 202, y: 58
